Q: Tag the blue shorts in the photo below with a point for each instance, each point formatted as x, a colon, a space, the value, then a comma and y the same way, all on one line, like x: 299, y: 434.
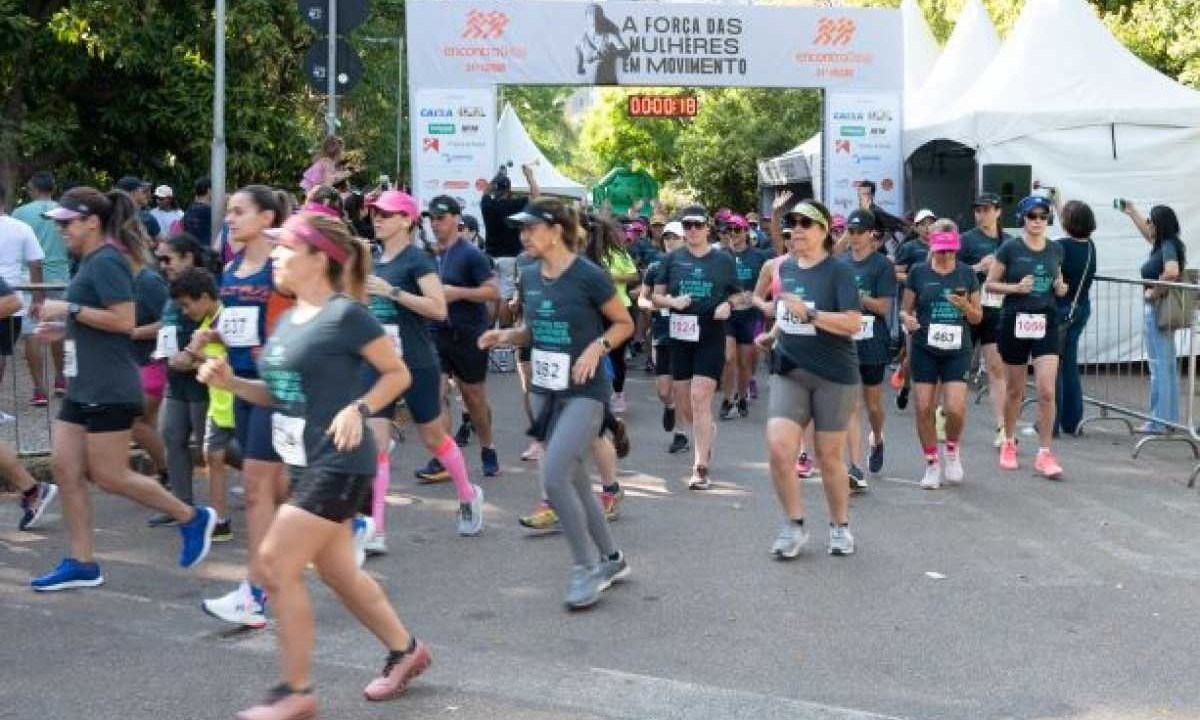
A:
x: 252, y: 428
x: 930, y: 367
x: 422, y: 398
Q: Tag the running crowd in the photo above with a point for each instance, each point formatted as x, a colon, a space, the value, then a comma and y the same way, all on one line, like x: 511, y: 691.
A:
x: 247, y: 342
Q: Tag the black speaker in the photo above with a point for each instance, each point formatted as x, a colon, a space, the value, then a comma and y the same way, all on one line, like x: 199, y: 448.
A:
x: 1013, y: 183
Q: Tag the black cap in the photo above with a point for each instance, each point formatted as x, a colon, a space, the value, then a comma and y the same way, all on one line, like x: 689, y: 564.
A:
x: 860, y: 220
x: 443, y: 205
x: 501, y: 182
x: 537, y: 211
x: 132, y: 183
x: 470, y: 223
x: 987, y: 199
x: 693, y: 212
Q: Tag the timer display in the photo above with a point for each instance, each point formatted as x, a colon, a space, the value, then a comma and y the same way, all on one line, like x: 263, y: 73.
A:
x: 663, y: 106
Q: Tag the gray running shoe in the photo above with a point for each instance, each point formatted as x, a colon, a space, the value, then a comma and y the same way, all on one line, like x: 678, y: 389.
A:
x: 858, y: 484
x: 584, y: 588
x: 841, y: 542
x: 470, y: 515
x: 612, y: 571
x: 789, y: 541
x: 875, y: 461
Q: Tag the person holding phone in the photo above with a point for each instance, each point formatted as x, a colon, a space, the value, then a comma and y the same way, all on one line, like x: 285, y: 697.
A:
x: 940, y: 304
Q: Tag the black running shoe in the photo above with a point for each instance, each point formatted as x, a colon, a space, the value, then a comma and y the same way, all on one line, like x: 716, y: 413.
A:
x: 679, y: 443
x: 743, y: 407
x: 462, y: 436
x: 902, y: 398
x: 875, y: 461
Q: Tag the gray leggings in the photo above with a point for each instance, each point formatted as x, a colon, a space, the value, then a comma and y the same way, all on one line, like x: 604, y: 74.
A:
x: 178, y: 422
x: 572, y: 430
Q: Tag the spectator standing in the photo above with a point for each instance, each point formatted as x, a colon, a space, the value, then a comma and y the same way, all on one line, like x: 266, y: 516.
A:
x: 20, y: 258
x: 55, y: 268
x: 166, y: 213
x: 139, y: 190
x: 197, y: 221
x: 1074, y: 309
x: 502, y: 241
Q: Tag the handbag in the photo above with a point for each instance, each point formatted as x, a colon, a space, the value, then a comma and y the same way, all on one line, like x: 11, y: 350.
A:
x: 1175, y: 310
x: 1064, y: 323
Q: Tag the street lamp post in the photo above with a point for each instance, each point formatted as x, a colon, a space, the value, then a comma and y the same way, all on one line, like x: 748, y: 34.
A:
x: 217, y: 159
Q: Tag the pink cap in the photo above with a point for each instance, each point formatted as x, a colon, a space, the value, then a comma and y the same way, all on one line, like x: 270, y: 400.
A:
x: 839, y: 221
x: 395, y: 201
x: 947, y: 240
x: 737, y: 221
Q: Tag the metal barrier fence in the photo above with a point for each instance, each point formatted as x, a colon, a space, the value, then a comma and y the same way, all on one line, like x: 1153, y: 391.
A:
x: 23, y: 425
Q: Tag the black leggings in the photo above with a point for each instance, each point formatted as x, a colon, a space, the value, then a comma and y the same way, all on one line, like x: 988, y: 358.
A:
x: 617, y: 356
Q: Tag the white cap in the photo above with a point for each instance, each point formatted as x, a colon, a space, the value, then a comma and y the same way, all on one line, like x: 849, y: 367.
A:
x: 164, y: 191
x: 674, y: 227
x: 924, y: 214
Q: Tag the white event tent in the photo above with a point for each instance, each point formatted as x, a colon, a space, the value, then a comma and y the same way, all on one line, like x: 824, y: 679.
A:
x: 513, y: 145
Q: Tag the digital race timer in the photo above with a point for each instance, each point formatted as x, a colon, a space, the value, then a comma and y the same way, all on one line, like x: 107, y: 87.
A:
x: 663, y: 106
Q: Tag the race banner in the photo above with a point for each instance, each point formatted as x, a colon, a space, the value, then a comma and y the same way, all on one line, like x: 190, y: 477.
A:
x: 863, y: 141
x: 454, y: 144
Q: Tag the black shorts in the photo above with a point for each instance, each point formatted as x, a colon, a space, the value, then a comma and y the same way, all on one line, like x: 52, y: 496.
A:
x: 422, y: 398
x: 987, y: 332
x: 327, y: 494
x: 705, y: 358
x: 1014, y: 351
x: 872, y: 374
x: 10, y: 330
x: 743, y: 325
x: 928, y: 367
x: 100, y: 417
x: 460, y: 355
x: 525, y: 353
x: 662, y: 359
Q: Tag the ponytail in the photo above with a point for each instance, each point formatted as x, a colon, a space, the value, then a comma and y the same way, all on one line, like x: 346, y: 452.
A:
x: 125, y: 227
x: 351, y: 278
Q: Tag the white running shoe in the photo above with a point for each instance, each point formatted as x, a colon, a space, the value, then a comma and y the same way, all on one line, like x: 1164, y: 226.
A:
x: 237, y: 608
x: 954, y: 468
x: 362, y: 529
x: 1000, y: 438
x: 377, y: 545
x: 470, y: 515
x: 933, y: 477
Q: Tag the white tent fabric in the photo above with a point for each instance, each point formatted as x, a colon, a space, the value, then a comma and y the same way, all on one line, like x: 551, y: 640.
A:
x: 514, y: 145
x: 920, y: 47
x: 970, y: 48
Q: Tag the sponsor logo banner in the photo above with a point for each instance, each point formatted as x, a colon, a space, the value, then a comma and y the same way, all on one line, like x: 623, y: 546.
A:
x: 446, y: 162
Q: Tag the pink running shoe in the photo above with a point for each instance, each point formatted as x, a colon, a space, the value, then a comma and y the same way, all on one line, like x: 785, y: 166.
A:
x: 804, y: 466
x: 1008, y: 455
x: 283, y: 704
x: 398, y: 672
x: 1046, y: 465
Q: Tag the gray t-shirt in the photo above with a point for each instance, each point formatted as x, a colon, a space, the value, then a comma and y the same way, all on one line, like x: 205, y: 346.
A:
x: 1020, y: 261
x: 404, y: 271
x: 875, y: 276
x: 306, y: 365
x: 829, y: 286
x: 150, y: 293
x: 564, y: 316
x: 106, y: 371
x: 709, y: 279
x: 931, y: 289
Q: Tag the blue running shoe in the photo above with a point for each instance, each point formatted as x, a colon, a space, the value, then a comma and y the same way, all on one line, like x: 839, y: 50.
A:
x: 490, y: 462
x: 875, y: 461
x: 70, y: 573
x: 196, y: 535
x: 433, y: 472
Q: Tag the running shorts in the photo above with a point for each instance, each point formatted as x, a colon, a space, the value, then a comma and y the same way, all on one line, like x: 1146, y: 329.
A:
x: 252, y: 429
x: 1015, y: 351
x: 799, y: 395
x: 154, y: 378
x: 100, y: 417
x: 422, y: 398
x: 928, y: 367
x: 460, y: 355
x: 987, y: 332
x: 10, y: 330
x: 743, y: 325
x: 330, y: 495
x: 705, y: 358
x: 872, y: 375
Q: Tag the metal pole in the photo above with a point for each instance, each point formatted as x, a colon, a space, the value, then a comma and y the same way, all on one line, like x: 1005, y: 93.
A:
x: 217, y: 169
x: 331, y: 73
x: 399, y: 102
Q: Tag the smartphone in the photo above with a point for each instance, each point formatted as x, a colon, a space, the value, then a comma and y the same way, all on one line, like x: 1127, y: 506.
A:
x: 1119, y: 204
x: 385, y: 182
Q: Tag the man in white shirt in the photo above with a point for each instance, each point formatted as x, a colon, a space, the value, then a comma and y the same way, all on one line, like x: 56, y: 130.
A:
x: 166, y: 212
x: 20, y: 262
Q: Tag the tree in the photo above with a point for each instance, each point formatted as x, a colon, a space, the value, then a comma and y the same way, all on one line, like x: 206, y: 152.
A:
x: 609, y: 137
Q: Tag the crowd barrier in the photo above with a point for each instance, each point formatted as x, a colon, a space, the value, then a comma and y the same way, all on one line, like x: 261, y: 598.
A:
x: 22, y: 425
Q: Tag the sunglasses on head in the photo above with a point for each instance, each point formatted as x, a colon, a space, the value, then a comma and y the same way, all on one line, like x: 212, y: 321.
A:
x: 1037, y: 216
x: 692, y: 224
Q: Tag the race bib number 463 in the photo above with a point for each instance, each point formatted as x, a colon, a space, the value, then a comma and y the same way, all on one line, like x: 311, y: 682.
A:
x: 945, y: 337
x: 790, y: 323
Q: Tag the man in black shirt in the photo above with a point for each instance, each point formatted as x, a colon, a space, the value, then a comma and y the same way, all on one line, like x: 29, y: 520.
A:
x: 502, y: 241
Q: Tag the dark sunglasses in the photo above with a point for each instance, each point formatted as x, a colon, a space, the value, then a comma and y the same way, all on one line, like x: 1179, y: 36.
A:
x: 857, y: 231
x: 164, y: 259
x: 1037, y: 216
x: 64, y: 224
x: 385, y: 215
x: 692, y: 224
x: 803, y: 222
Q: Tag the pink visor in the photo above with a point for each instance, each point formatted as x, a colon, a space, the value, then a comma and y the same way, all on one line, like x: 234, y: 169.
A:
x: 394, y: 201
x: 296, y: 232
x: 315, y: 207
x: 737, y: 221
x: 839, y: 221
x: 946, y: 241
x: 61, y: 213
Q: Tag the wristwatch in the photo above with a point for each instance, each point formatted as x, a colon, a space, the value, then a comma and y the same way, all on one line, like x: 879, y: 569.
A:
x: 73, y: 309
x: 363, y: 408
x: 812, y: 316
x: 604, y: 343
x: 394, y: 293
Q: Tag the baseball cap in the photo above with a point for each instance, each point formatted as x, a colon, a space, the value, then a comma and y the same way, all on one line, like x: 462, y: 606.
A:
x: 131, y: 183
x: 658, y: 218
x: 394, y: 201
x: 943, y: 241
x: 924, y: 214
x: 693, y: 213
x: 164, y: 191
x: 737, y: 221
x: 537, y: 211
x: 674, y: 228
x: 469, y: 222
x: 987, y: 199
x: 443, y: 205
x: 839, y: 222
x: 1031, y: 202
x: 861, y: 220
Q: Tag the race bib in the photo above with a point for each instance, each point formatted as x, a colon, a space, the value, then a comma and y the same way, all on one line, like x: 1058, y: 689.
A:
x: 239, y: 326
x: 551, y: 370
x: 685, y: 327
x: 168, y: 342
x: 70, y: 364
x: 866, y: 328
x: 945, y: 337
x: 287, y: 437
x: 991, y: 299
x: 1030, y: 326
x: 789, y: 323
x: 393, y: 332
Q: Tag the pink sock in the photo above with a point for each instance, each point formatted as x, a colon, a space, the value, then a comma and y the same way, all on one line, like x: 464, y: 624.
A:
x: 931, y: 455
x: 383, y: 477
x: 952, y: 445
x: 451, y: 458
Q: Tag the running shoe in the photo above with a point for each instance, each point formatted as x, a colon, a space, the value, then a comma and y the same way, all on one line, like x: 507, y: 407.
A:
x: 1046, y: 465
x: 858, y: 484
x: 679, y: 443
x: 283, y: 703
x: 1000, y: 437
x: 841, y: 542
x: 728, y: 411
x: 611, y: 571
x: 620, y: 438
x: 398, y: 671
x: 433, y: 472
x: 875, y: 459
x: 954, y: 468
x: 377, y: 545
x: 222, y: 532
x: 60, y: 387
x: 34, y: 504
x: 790, y: 540
x: 239, y: 607
x: 668, y: 419
x: 69, y: 574
x: 933, y: 476
x: 161, y: 520
x: 743, y: 407
x: 39, y: 399
x: 543, y: 517
x: 804, y: 467
x: 699, y: 479
x: 462, y: 436
x: 1149, y: 428
x: 583, y: 588
x: 196, y: 537
x: 470, y: 515
x: 533, y: 453
x: 617, y: 402
x: 897, y: 380
x: 752, y: 390
x: 902, y: 398
x: 611, y: 501
x: 490, y: 462
x: 649, y: 366
x: 361, y: 530
x: 1008, y: 455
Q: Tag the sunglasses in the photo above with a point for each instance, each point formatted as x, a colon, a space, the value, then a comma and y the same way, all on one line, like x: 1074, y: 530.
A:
x: 385, y: 215
x: 164, y: 259
x: 692, y: 224
x: 803, y: 222
x: 1037, y: 216
x: 858, y: 231
x: 64, y: 224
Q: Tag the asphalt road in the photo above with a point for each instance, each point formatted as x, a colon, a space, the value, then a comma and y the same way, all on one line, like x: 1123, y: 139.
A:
x: 1007, y: 597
